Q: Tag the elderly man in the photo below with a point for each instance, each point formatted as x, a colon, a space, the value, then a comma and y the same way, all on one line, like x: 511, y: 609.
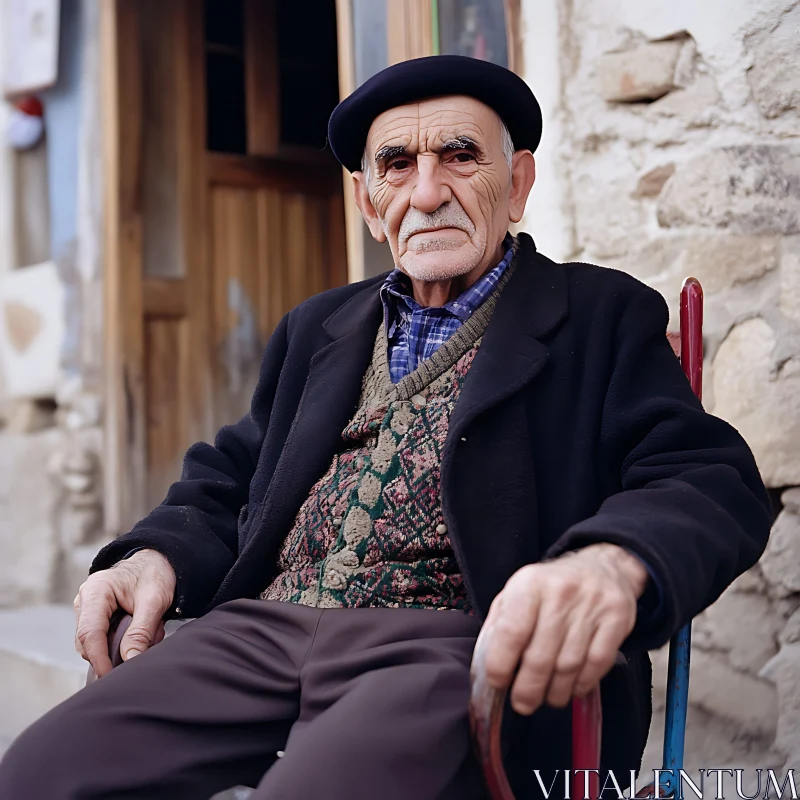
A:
x: 482, y: 436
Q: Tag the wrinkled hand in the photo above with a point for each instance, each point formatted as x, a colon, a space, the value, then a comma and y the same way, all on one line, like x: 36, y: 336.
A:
x: 562, y: 622
x: 142, y: 585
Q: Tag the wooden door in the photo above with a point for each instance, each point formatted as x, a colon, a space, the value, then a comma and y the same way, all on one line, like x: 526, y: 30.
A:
x: 218, y: 225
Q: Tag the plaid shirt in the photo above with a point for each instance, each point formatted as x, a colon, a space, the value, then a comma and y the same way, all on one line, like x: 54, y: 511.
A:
x: 414, y: 332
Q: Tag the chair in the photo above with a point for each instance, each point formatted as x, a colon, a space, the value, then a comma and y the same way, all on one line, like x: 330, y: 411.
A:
x: 486, y: 704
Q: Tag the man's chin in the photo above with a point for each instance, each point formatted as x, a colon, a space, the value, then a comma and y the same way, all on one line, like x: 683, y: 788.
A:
x: 437, y: 265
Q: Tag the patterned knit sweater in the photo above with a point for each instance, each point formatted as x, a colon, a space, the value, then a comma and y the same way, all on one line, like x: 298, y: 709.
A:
x: 371, y: 532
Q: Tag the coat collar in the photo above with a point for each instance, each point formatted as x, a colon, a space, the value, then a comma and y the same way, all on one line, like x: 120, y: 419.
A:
x: 513, y: 353
x: 359, y: 313
x: 532, y: 305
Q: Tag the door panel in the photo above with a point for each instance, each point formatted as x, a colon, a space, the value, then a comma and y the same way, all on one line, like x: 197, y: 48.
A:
x: 167, y: 346
x: 271, y: 250
x: 237, y: 339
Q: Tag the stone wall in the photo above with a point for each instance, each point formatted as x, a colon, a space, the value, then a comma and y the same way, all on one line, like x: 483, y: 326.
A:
x: 672, y: 148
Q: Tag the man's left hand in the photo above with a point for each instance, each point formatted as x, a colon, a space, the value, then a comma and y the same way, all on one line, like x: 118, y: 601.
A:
x: 562, y: 622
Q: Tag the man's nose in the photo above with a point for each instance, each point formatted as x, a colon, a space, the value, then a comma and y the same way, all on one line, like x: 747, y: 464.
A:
x: 430, y: 191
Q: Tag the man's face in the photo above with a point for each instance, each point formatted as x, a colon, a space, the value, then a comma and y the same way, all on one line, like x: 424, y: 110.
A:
x: 437, y: 186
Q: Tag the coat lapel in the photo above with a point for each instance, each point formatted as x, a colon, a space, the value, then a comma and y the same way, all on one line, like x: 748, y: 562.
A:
x: 511, y: 354
x: 329, y: 399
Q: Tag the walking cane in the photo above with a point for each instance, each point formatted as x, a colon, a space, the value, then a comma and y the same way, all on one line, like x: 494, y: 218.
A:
x: 486, y: 703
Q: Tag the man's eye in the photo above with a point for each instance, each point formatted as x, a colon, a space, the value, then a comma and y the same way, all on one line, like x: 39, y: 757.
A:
x: 399, y: 164
x: 464, y: 157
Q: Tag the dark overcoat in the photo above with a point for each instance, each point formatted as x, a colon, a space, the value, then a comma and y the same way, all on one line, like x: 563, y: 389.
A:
x: 575, y: 425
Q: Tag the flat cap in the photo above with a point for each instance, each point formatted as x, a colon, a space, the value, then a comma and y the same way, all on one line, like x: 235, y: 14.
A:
x: 434, y: 76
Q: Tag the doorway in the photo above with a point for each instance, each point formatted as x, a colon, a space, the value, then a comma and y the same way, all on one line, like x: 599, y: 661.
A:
x: 227, y: 211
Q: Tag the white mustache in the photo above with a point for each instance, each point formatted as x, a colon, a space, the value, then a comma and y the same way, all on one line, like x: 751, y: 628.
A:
x: 449, y: 215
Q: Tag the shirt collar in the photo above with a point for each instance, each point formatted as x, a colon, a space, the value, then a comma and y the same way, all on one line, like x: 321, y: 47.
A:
x: 398, y: 299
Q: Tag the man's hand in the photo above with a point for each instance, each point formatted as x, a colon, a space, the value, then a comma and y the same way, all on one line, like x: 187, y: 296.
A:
x: 562, y: 622
x: 143, y: 585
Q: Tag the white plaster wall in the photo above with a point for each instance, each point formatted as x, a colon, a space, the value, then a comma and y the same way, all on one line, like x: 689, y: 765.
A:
x: 6, y: 193
x: 6, y: 172
x: 548, y: 217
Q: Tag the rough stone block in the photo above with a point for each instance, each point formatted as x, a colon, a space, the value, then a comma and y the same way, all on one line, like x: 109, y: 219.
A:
x: 723, y: 261
x: 761, y: 399
x: 605, y: 214
x: 711, y: 737
x: 720, y: 628
x: 784, y: 672
x: 781, y: 560
x: 718, y: 260
x: 791, y: 631
x: 696, y: 105
x: 774, y: 78
x: 745, y: 189
x: 646, y: 72
x: 710, y: 740
x: 750, y: 582
x: 786, y: 608
x: 719, y: 689
x: 652, y: 182
x: 791, y: 499
x: 29, y: 499
x: 790, y: 277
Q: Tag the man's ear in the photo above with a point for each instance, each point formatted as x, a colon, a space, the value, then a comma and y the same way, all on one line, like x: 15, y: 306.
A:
x: 523, y: 174
x: 361, y: 194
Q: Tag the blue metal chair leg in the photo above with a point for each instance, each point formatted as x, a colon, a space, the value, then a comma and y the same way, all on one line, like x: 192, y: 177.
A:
x: 677, y: 707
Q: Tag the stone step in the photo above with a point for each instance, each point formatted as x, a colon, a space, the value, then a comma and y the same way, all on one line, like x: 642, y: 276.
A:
x: 39, y: 667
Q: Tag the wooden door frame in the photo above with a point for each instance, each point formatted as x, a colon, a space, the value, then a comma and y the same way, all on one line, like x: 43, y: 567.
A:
x: 412, y: 37
x: 124, y: 467
x: 127, y: 293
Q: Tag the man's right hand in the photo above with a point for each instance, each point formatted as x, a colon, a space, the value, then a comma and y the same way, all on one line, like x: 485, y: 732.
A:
x: 143, y: 586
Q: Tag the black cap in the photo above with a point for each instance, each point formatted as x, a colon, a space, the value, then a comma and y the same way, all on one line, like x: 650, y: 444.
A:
x: 434, y: 76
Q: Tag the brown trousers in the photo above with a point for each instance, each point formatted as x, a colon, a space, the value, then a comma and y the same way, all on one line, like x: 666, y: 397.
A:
x: 366, y: 703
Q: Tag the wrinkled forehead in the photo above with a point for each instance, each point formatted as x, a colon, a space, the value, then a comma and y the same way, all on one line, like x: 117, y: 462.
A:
x: 428, y: 123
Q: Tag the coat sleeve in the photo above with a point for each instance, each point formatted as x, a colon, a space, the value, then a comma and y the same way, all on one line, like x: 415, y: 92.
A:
x: 196, y: 527
x: 692, y: 504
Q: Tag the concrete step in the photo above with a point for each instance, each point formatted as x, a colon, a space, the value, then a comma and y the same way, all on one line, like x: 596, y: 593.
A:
x: 39, y: 667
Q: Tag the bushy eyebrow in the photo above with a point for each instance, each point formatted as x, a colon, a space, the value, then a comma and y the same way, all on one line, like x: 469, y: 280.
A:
x: 462, y: 143
x: 390, y: 151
